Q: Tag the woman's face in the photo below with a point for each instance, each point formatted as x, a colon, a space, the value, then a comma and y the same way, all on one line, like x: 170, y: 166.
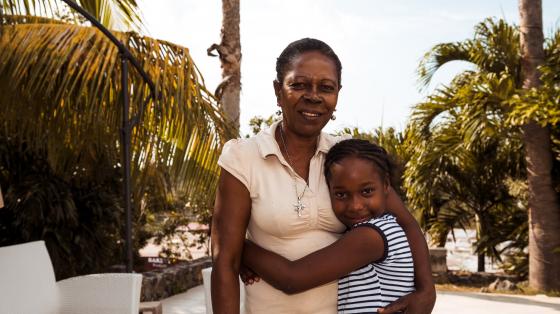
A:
x: 308, y: 94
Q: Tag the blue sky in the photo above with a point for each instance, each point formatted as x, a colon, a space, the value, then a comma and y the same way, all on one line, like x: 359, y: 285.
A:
x: 380, y: 44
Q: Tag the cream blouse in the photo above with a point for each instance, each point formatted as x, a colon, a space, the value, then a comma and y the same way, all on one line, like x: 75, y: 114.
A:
x: 274, y: 223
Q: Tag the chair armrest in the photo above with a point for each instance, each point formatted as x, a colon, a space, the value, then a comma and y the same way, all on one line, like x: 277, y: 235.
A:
x: 100, y: 294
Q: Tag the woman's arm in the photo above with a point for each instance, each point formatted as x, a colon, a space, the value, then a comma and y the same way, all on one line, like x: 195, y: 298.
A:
x: 229, y: 223
x: 355, y: 249
x: 423, y: 299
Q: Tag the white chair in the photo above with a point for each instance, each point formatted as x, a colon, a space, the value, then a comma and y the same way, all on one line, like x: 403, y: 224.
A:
x: 206, y: 280
x: 28, y: 286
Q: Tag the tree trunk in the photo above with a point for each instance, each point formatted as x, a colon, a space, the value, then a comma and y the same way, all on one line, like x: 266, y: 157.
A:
x: 480, y: 232
x: 481, y: 263
x: 441, y: 239
x: 229, y: 50
x: 544, y: 207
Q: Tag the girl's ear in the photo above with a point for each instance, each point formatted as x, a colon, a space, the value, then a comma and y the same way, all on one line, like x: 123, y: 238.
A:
x: 387, y: 185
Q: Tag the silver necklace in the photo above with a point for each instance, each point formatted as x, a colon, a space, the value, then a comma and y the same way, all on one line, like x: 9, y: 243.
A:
x: 298, y: 206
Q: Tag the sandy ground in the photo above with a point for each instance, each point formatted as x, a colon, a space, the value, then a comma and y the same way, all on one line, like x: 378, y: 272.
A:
x: 193, y: 302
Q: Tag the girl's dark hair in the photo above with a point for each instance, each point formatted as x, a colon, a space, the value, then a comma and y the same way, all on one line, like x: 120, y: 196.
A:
x: 298, y: 47
x: 360, y: 149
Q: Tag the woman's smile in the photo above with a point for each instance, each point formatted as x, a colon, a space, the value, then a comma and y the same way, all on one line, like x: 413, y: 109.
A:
x: 311, y: 115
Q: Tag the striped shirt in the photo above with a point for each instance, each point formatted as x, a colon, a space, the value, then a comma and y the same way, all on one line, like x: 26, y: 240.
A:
x: 383, y: 281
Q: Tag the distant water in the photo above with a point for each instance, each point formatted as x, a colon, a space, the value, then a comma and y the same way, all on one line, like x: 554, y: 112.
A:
x: 192, y: 252
x: 460, y: 253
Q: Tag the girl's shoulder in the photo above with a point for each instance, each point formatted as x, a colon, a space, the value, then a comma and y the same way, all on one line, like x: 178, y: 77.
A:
x: 388, y: 229
x: 384, y: 219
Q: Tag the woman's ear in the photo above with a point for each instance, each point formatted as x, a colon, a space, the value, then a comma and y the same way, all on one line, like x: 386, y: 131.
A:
x: 277, y: 89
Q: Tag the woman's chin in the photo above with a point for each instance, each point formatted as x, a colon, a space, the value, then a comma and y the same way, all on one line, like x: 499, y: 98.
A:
x: 311, y: 127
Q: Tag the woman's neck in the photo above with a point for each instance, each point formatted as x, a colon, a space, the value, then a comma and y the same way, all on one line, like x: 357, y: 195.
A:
x: 296, y: 144
x: 296, y: 149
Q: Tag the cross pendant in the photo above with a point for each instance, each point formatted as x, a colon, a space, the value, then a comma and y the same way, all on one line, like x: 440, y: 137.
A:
x: 298, y: 207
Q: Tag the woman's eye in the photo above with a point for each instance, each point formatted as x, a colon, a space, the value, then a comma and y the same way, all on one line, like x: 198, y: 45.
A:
x: 297, y: 85
x: 327, y: 88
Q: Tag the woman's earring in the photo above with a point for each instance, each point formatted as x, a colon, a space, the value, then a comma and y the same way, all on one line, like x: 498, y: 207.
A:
x: 279, y: 112
x: 333, y: 117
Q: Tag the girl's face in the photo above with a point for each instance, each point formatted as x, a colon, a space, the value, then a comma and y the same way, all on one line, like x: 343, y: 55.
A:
x: 308, y: 93
x: 358, y: 192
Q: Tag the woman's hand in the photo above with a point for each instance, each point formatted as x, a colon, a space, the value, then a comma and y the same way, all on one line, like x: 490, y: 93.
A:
x: 417, y: 302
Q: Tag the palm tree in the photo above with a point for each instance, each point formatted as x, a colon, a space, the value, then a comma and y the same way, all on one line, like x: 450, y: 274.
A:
x: 494, y: 51
x: 456, y: 131
x: 59, y: 97
x: 544, y: 204
x: 451, y: 182
x: 229, y: 50
x: 74, y: 83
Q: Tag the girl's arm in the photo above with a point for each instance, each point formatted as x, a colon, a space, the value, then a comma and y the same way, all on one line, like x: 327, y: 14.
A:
x: 355, y: 249
x: 229, y: 223
x: 423, y: 299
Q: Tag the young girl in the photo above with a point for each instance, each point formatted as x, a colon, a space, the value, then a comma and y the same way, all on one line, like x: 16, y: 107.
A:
x: 373, y: 258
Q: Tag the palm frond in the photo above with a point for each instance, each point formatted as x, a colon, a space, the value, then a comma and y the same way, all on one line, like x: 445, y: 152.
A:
x: 60, y: 91
x: 114, y: 14
x: 435, y: 110
x: 497, y: 47
x: 494, y: 48
x: 438, y: 56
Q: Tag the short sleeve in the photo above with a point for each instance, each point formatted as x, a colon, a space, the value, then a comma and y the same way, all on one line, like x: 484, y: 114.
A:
x: 371, y: 224
x: 236, y: 159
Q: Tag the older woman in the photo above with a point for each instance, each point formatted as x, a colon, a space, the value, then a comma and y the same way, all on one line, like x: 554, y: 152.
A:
x: 272, y: 190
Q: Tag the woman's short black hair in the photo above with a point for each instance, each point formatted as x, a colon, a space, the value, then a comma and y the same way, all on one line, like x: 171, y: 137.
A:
x: 360, y: 149
x: 298, y: 47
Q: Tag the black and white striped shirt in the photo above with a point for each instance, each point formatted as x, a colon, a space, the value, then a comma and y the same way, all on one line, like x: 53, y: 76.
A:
x: 381, y: 282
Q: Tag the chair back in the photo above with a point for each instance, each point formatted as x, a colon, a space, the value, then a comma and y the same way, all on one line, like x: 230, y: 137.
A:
x: 101, y: 294
x: 27, y: 281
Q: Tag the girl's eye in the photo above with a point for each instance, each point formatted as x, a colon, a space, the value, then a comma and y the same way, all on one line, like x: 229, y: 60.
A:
x: 367, y: 191
x: 339, y: 195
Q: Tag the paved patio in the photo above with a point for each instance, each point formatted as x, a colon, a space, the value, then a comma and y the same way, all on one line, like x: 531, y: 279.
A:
x: 190, y: 302
x: 193, y: 302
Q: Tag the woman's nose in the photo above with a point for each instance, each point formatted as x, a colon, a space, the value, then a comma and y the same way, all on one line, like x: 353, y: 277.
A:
x: 312, y: 94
